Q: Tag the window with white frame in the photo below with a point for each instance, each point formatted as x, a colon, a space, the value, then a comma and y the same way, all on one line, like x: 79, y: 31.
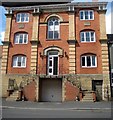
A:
x: 21, y: 38
x: 19, y: 61
x: 88, y: 61
x: 86, y: 15
x: 22, y: 17
x: 53, y: 28
x: 87, y: 36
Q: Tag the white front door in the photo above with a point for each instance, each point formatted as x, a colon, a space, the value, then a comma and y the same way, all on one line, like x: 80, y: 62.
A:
x: 53, y: 63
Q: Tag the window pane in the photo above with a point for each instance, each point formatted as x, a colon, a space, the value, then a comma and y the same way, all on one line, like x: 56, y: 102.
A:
x: 21, y: 38
x: 19, y: 61
x: 56, y: 22
x: 50, y: 23
x: 18, y: 18
x: 25, y: 38
x: 93, y: 61
x: 50, y: 63
x: 91, y: 15
x: 56, y: 34
x: 87, y: 36
x: 83, y: 61
x: 26, y: 16
x: 53, y: 53
x: 82, y: 36
x: 86, y: 15
x: 51, y: 28
x: 16, y: 38
x: 14, y: 61
x: 23, y: 61
x: 81, y: 15
x: 92, y: 36
x: 56, y: 27
x: 50, y: 35
x: 88, y: 61
x: 50, y: 70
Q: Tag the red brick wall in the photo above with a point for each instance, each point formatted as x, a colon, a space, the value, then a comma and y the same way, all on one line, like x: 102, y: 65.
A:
x: 24, y: 49
x: 82, y: 48
x: 29, y: 91
x: 71, y: 91
x: 62, y: 43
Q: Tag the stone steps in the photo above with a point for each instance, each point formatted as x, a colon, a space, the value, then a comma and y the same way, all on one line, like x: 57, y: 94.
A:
x: 13, y: 97
x: 88, y: 97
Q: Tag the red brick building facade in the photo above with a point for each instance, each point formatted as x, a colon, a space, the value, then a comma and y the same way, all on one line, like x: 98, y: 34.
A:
x: 63, y: 47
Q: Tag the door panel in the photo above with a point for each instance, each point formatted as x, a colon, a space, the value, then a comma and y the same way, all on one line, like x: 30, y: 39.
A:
x: 53, y: 63
x: 55, y: 66
x: 97, y: 87
x: 50, y: 90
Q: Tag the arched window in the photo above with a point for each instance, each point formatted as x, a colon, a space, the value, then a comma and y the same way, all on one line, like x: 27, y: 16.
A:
x: 87, y: 36
x: 22, y: 17
x: 19, y: 61
x: 21, y: 38
x: 88, y: 60
x: 53, y: 28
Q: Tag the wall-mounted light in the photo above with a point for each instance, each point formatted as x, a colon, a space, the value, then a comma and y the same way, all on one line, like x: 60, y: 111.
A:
x: 66, y: 55
x: 41, y: 55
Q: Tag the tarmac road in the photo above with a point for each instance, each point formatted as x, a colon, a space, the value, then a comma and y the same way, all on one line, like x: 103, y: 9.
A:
x: 75, y: 109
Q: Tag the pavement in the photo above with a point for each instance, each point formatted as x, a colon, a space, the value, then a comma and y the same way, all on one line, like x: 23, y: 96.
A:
x: 70, y: 105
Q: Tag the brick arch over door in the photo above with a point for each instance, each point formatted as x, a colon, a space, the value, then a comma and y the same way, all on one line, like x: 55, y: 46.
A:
x: 60, y: 50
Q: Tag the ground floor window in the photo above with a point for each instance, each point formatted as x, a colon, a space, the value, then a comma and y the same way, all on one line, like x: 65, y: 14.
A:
x: 19, y: 61
x: 88, y: 61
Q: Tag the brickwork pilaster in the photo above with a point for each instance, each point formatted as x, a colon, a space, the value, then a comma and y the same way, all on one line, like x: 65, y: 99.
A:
x: 105, y: 58
x: 71, y: 41
x: 6, y: 43
x: 34, y: 42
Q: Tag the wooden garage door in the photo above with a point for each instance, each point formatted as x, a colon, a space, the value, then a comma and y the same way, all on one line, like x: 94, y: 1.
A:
x: 50, y: 90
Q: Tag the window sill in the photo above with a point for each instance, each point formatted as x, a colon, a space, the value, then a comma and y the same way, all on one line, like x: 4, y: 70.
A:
x: 20, y: 43
x: 53, y: 39
x: 86, y: 20
x: 23, y: 22
x: 89, y: 67
x: 19, y: 67
x: 88, y: 42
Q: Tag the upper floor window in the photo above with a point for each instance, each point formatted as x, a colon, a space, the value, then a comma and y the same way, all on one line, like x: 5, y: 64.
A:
x: 88, y: 61
x: 19, y: 61
x: 21, y: 38
x: 86, y: 15
x: 53, y: 28
x: 22, y: 17
x: 88, y: 36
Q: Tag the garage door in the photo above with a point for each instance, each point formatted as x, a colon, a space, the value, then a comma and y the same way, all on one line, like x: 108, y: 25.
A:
x: 50, y: 90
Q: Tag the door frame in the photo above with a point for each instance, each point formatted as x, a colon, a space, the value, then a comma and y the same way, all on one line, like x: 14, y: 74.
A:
x: 94, y: 86
x: 48, y: 60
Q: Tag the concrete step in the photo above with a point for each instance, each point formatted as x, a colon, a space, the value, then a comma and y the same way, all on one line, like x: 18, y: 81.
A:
x: 13, y: 97
x: 87, y: 97
x: 87, y: 101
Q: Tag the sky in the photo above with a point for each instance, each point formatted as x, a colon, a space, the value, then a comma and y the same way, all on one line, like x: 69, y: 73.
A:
x: 108, y: 18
